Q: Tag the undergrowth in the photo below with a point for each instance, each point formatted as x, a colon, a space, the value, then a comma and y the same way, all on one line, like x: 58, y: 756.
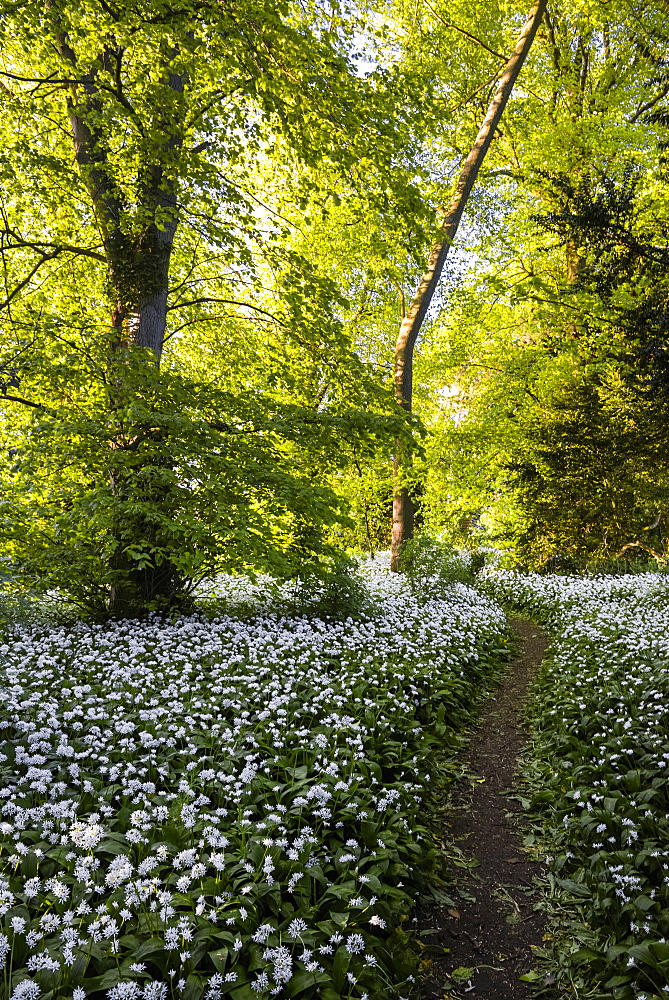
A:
x: 226, y: 806
x: 597, y: 778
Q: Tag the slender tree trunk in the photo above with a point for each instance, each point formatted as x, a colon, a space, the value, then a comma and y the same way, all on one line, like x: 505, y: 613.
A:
x: 403, y: 508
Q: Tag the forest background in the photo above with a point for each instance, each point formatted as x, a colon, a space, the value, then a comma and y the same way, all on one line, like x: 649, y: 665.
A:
x: 213, y: 221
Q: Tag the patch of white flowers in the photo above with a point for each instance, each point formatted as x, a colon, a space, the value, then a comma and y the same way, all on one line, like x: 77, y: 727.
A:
x: 205, y: 806
x: 603, y: 759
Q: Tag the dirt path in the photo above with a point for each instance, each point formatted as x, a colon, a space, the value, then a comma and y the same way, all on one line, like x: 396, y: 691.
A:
x: 491, y: 928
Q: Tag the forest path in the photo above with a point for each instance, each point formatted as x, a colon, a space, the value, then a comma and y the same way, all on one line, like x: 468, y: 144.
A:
x: 490, y: 931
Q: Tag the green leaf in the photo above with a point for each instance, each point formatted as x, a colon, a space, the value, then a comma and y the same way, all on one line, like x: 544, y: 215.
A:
x: 340, y: 968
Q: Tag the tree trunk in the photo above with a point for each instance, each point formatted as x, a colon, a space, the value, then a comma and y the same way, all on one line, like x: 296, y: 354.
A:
x: 139, y: 275
x: 147, y: 320
x: 140, y: 315
x: 403, y: 510
x: 138, y: 264
x: 412, y: 322
x: 140, y: 589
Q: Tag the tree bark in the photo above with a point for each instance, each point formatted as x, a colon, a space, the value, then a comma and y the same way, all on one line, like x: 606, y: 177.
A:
x: 403, y: 507
x: 138, y: 265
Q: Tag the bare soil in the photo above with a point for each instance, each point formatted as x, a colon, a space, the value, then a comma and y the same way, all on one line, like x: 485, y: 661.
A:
x: 490, y: 931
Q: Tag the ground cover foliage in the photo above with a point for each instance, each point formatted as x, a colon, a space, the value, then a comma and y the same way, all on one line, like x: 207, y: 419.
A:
x: 224, y: 806
x: 598, y: 774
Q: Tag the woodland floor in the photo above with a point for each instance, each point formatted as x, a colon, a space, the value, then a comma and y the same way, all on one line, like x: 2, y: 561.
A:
x: 490, y: 931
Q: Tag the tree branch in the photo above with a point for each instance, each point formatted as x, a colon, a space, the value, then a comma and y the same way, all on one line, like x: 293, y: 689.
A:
x: 585, y: 63
x: 462, y: 31
x: 22, y: 284
x: 19, y: 399
x: 115, y: 16
x: 200, y: 319
x: 505, y: 172
x: 650, y: 104
x: 51, y: 78
x: 462, y: 104
x: 640, y: 545
x: 21, y: 244
x: 555, y: 49
x: 90, y: 150
x: 227, y: 302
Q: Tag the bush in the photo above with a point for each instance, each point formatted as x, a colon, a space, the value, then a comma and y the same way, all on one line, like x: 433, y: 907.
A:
x: 429, y: 563
x: 331, y: 590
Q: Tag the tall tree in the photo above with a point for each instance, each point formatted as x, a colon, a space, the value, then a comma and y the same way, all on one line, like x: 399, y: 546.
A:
x: 531, y: 346
x: 155, y: 465
x: 403, y: 506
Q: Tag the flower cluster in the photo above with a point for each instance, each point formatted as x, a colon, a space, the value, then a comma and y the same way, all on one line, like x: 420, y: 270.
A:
x: 601, y: 764
x: 223, y: 807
